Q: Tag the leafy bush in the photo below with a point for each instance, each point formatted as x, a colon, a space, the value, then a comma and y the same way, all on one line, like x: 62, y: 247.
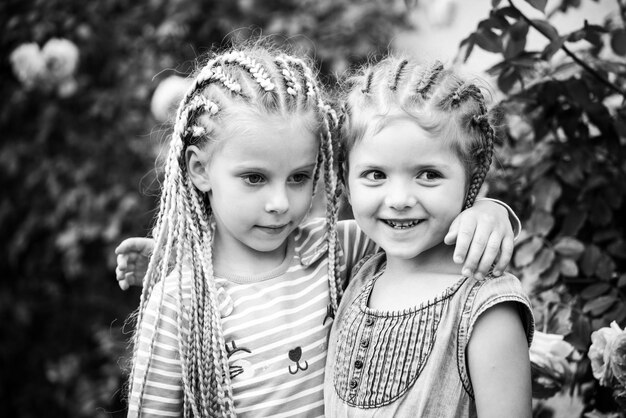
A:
x: 563, y: 168
x: 77, y: 153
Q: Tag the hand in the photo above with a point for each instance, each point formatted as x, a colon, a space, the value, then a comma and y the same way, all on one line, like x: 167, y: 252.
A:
x: 133, y: 256
x: 484, y: 237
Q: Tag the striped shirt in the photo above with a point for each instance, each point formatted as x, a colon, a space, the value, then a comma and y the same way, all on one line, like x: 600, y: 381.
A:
x: 275, y: 326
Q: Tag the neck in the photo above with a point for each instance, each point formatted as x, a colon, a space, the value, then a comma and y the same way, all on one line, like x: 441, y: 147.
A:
x: 230, y: 258
x: 437, y: 260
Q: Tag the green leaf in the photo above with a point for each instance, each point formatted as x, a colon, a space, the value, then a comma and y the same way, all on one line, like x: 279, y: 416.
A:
x: 569, y: 247
x: 538, y: 4
x: 573, y: 221
x: 543, y: 260
x: 568, y: 267
x: 580, y: 335
x: 549, y: 277
x: 546, y: 29
x: 605, y: 268
x: 595, y: 290
x: 488, y: 40
x: 618, y: 249
x: 507, y: 79
x: 617, y: 313
x: 467, y: 45
x: 590, y: 259
x: 601, y: 213
x: 546, y: 192
x: 598, y: 306
x: 540, y: 223
x: 618, y: 41
x: 552, y: 48
x: 525, y: 253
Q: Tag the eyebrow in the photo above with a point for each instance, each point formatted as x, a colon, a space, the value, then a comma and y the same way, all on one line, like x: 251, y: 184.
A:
x: 255, y: 167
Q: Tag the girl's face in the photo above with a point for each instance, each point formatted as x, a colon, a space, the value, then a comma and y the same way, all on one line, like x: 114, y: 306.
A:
x: 260, y: 186
x: 406, y: 187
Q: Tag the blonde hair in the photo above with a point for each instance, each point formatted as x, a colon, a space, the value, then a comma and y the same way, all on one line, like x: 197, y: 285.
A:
x: 441, y: 102
x: 255, y: 80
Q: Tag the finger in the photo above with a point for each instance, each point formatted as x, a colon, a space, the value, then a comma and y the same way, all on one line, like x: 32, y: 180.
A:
x: 119, y: 274
x: 122, y: 261
x: 136, y: 244
x: 465, y: 236
x: 123, y: 284
x: 453, y: 232
x: 477, y: 248
x: 490, y: 254
x: 506, y: 252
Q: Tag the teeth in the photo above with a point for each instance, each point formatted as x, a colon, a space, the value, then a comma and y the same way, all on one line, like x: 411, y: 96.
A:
x: 401, y: 224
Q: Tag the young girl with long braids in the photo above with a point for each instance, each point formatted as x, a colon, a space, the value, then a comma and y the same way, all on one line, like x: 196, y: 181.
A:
x: 239, y: 293
x: 413, y: 336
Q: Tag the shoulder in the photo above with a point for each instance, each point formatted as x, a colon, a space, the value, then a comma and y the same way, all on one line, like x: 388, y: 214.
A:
x: 499, y: 292
x: 171, y: 294
x: 365, y: 269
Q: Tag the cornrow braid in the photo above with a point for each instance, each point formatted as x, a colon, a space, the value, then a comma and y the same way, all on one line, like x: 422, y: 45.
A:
x: 393, y: 84
x: 253, y: 67
x: 484, y: 154
x: 217, y: 73
x: 429, y: 79
x: 368, y: 83
x: 292, y: 85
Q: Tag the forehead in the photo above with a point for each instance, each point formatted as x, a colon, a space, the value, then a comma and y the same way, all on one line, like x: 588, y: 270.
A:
x: 401, y: 141
x: 271, y: 139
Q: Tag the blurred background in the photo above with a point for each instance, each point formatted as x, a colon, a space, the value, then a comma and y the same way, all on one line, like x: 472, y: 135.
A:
x: 87, y: 91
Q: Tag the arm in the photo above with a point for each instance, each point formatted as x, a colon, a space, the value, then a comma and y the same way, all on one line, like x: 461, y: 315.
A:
x: 133, y: 256
x: 484, y: 237
x: 499, y: 365
x: 156, y: 389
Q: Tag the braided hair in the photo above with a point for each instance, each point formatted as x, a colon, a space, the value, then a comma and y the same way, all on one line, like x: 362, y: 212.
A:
x: 265, y: 81
x: 440, y: 101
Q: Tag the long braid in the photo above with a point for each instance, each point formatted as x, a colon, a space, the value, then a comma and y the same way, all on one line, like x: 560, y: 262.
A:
x: 329, y: 119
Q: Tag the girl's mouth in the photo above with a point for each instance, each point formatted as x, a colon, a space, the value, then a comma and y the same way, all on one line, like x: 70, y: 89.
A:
x: 398, y: 224
x: 273, y: 229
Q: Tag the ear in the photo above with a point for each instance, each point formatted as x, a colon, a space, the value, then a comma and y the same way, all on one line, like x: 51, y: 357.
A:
x: 198, y: 167
x: 344, y: 175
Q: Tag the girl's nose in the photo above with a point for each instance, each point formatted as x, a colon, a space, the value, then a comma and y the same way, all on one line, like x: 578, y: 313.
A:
x: 400, y: 196
x: 278, y: 201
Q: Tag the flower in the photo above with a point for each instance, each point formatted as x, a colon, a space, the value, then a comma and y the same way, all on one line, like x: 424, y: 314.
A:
x: 549, y: 358
x: 61, y: 56
x: 28, y: 64
x: 602, y: 347
x: 167, y: 95
x: 617, y: 358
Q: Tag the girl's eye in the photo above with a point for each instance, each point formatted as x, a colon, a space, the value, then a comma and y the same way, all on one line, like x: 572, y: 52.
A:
x: 429, y: 175
x: 300, y: 178
x: 374, y: 175
x: 253, y: 179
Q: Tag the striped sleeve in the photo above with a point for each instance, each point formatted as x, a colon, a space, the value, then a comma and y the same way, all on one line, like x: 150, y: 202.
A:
x: 156, y: 389
x: 354, y: 243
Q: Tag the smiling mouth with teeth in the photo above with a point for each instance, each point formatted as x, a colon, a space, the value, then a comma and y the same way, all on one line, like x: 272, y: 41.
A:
x: 401, y: 224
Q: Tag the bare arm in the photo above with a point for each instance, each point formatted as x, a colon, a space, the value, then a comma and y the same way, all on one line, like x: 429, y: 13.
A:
x: 499, y: 365
x: 483, y: 235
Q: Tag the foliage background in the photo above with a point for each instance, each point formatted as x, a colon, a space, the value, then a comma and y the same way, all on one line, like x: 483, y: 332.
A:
x: 77, y: 174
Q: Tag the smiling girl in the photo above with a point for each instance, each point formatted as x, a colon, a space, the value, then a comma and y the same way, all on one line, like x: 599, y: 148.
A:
x: 413, y: 335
